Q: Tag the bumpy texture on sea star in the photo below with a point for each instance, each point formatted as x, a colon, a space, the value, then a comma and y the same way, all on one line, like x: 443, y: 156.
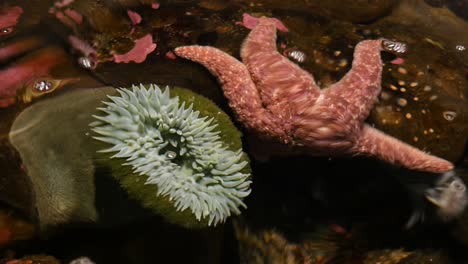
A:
x: 275, y: 97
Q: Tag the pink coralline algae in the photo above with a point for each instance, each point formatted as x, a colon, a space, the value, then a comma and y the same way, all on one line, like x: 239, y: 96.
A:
x: 155, y: 5
x: 138, y: 53
x: 250, y: 22
x: 75, y: 16
x: 64, y: 19
x: 170, y: 55
x: 398, y: 61
x: 67, y: 16
x: 9, y: 17
x: 134, y: 17
x: 279, y: 100
x: 63, y: 3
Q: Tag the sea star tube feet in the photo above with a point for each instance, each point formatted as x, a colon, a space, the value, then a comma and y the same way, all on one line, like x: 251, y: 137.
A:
x: 275, y: 97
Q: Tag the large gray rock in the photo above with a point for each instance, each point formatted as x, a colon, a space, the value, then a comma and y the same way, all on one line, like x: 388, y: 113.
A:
x: 52, y: 139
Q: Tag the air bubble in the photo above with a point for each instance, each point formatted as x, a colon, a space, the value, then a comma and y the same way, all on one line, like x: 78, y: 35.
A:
x: 449, y: 115
x: 171, y: 155
x: 43, y: 86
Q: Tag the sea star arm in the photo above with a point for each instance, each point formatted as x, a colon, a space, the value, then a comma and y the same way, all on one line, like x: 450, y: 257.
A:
x: 279, y: 81
x: 238, y: 88
x: 360, y: 87
x: 373, y: 142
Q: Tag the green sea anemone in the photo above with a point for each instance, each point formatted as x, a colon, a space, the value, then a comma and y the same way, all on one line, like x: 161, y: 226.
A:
x: 185, y: 162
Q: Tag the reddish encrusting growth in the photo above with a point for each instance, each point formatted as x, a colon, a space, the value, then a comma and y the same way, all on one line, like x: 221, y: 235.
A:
x: 139, y: 52
x: 35, y: 65
x: 19, y: 47
x: 5, y: 236
x: 74, y: 15
x: 155, y: 5
x: 170, y: 55
x: 398, y: 61
x: 134, y: 17
x: 275, y: 97
x: 9, y: 18
x: 64, y: 19
x: 68, y: 16
x: 63, y: 3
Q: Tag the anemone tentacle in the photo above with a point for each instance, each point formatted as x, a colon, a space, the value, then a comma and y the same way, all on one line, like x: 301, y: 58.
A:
x: 177, y: 149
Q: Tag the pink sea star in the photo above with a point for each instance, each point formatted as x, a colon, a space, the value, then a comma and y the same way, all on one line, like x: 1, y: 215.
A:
x: 279, y: 100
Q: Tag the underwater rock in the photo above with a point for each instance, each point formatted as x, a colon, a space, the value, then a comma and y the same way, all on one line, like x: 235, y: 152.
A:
x: 332, y: 246
x: 178, y: 155
x: 140, y: 241
x: 423, y: 100
x: 456, y: 6
x: 82, y: 260
x: 108, y: 29
x: 100, y: 17
x: 400, y: 256
x: 50, y: 136
x: 35, y: 259
x: 423, y: 92
x: 268, y: 247
x: 14, y: 228
x: 109, y: 34
x: 273, y: 97
x: 15, y: 189
x: 372, y: 207
x: 440, y: 26
x: 386, y: 256
x: 62, y: 178
x: 357, y: 11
